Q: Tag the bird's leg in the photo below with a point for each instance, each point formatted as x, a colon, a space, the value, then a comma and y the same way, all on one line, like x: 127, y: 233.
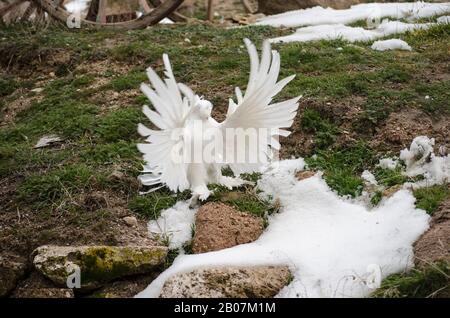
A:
x: 201, y: 192
x: 198, y: 178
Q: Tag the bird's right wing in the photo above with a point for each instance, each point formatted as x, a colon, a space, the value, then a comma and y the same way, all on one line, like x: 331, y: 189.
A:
x: 171, y: 102
x: 254, y: 111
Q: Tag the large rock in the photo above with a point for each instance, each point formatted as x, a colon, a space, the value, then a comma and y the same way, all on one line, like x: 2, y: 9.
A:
x: 97, y: 264
x: 434, y: 245
x: 278, y: 6
x: 228, y: 282
x: 219, y: 226
x: 12, y: 269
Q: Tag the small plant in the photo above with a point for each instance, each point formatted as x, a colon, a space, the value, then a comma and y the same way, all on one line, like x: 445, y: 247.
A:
x: 390, y: 177
x: 432, y: 280
x: 429, y: 198
x: 151, y: 205
x: 325, y: 132
x: 131, y: 80
x: 342, y: 167
x: 376, y: 198
x: 7, y: 86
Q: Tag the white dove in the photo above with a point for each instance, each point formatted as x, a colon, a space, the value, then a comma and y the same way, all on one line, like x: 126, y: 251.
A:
x: 185, y: 123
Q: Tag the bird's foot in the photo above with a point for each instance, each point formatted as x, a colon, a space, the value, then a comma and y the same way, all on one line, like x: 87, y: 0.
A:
x: 231, y: 183
x: 201, y: 193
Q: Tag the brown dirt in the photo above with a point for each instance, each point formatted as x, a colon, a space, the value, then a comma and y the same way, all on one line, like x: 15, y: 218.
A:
x: 37, y: 286
x: 402, y: 127
x: 434, y: 245
x: 20, y: 101
x: 302, y: 175
x: 219, y: 226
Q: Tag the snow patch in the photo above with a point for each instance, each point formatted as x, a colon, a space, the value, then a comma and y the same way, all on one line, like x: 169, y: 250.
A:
x: 366, y: 11
x: 421, y: 160
x: 350, y: 34
x: 330, y: 24
x: 388, y: 163
x: 175, y: 224
x: 330, y: 244
x: 392, y: 44
x: 444, y: 19
x: 369, y: 177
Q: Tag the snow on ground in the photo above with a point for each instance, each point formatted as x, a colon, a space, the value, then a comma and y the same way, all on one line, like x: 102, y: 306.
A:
x: 369, y: 177
x: 444, y: 19
x: 365, y: 11
x: 388, y: 163
x: 329, y: 24
x: 421, y: 160
x: 350, y: 34
x: 392, y: 44
x: 334, y: 247
x: 175, y: 224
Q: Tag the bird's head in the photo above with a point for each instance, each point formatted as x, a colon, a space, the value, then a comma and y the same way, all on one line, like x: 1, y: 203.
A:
x: 203, y: 108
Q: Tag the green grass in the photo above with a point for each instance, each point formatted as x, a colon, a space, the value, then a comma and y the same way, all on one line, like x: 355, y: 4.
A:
x: 343, y: 167
x: 429, y: 198
x: 243, y: 199
x: 324, y: 131
x: 390, y: 177
x: 150, y: 205
x: 7, y: 86
x: 432, y: 280
x: 57, y: 183
x: 120, y: 125
x: 132, y: 80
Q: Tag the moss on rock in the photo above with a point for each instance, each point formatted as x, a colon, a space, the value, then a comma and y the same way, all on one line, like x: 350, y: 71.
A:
x: 97, y: 264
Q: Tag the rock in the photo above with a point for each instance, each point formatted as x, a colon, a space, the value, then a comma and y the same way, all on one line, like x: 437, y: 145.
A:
x: 130, y: 221
x: 301, y: 175
x: 434, y: 245
x: 278, y: 6
x: 12, y: 269
x: 97, y: 264
x: 228, y: 282
x: 219, y: 226
x: 392, y: 190
x: 46, y: 141
x: 45, y: 293
x: 37, y: 90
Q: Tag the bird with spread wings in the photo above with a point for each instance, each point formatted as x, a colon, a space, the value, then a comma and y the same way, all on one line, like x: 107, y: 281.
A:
x: 184, y: 124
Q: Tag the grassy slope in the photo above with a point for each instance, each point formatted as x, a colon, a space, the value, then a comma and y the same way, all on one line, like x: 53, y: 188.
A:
x: 96, y: 110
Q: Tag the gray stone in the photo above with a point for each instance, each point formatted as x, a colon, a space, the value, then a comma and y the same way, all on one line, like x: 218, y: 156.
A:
x: 228, y: 282
x: 97, y: 264
x: 130, y: 221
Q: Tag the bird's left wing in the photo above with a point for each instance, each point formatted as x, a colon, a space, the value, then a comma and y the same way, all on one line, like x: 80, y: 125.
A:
x: 254, y: 112
x: 171, y: 102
